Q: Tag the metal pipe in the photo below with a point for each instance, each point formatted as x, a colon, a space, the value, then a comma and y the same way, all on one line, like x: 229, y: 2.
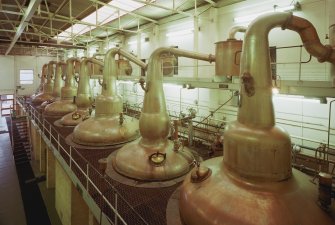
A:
x: 234, y: 30
x: 329, y: 117
x: 310, y: 39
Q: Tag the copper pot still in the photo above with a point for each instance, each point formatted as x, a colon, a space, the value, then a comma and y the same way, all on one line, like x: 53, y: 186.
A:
x: 47, y: 87
x: 66, y: 102
x: 109, y: 126
x: 153, y: 157
x: 84, y: 96
x: 254, y: 182
x: 42, y: 77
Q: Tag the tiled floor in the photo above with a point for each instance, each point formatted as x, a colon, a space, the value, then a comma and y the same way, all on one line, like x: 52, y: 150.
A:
x: 11, y: 206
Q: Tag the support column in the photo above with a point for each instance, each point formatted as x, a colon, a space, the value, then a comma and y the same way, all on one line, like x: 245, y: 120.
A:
x: 70, y: 205
x: 50, y: 171
x: 92, y: 220
x: 33, y: 139
x: 37, y: 145
x: 43, y: 157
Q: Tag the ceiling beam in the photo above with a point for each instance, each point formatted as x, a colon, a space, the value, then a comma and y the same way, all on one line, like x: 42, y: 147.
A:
x: 127, y: 11
x: 163, y: 7
x: 57, y: 10
x: 46, y: 44
x: 24, y: 22
x: 211, y: 2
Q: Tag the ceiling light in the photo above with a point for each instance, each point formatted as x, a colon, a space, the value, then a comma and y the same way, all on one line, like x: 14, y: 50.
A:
x: 179, y: 33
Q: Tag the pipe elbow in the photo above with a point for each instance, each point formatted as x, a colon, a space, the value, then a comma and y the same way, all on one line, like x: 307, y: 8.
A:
x: 311, y: 40
x: 236, y: 29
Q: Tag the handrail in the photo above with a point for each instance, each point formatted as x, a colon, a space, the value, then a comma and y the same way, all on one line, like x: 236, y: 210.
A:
x: 47, y: 130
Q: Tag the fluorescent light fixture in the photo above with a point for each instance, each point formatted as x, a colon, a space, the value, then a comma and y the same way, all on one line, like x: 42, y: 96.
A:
x: 298, y: 98
x: 179, y: 33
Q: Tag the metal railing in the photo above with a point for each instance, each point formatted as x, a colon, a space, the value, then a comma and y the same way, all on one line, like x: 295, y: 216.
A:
x: 86, y: 174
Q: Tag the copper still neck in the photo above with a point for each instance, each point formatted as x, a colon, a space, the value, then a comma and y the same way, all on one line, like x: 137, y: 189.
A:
x: 48, y: 87
x: 58, y: 80
x: 109, y: 90
x: 84, y: 91
x: 69, y: 89
x: 154, y: 120
x: 43, y: 76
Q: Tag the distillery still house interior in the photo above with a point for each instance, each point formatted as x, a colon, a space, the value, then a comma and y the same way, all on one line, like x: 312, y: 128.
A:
x: 167, y: 112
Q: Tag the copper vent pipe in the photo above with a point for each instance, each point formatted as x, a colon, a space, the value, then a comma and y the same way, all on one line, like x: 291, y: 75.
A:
x: 236, y: 29
x: 256, y: 177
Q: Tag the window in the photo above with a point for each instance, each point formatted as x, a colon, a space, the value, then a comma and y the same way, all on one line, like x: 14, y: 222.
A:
x: 26, y: 76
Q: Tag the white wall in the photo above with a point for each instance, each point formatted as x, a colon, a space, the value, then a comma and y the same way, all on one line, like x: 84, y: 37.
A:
x: 299, y: 117
x: 10, y: 73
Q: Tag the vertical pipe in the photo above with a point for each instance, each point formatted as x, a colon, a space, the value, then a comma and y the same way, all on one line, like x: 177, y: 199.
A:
x: 329, y: 119
x: 196, y: 45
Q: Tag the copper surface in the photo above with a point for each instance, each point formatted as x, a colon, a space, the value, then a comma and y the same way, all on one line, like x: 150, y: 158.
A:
x: 137, y: 159
x: 133, y: 161
x: 84, y: 95
x: 65, y: 104
x: 254, y: 183
x: 58, y: 82
x: 103, y: 131
x: 105, y: 128
x: 47, y: 87
x: 228, y: 54
x: 225, y: 198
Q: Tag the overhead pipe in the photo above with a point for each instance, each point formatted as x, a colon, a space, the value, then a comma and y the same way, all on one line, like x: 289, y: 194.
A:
x: 66, y: 103
x: 236, y: 29
x: 257, y: 154
x: 153, y: 157
x: 47, y: 87
x: 84, y: 95
x: 109, y: 126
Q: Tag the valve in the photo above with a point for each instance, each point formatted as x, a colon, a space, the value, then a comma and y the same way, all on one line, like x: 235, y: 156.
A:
x: 157, y: 159
x: 200, y: 173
